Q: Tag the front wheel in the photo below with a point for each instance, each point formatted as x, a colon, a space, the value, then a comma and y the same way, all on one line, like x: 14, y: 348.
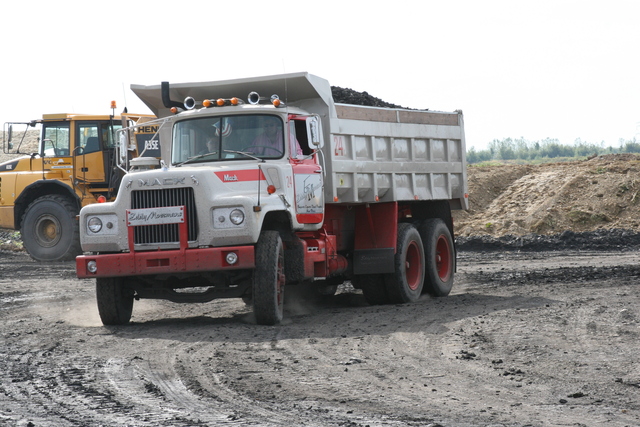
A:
x: 269, y: 279
x: 115, y: 300
x: 50, y: 230
x: 439, y: 256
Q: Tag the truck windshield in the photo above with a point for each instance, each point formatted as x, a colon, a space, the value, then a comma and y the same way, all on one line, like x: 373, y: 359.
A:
x: 227, y: 138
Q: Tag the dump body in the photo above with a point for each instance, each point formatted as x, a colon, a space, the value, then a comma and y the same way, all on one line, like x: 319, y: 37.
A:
x: 284, y: 189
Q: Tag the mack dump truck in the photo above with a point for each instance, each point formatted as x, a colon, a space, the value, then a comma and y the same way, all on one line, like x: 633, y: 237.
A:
x: 77, y: 162
x: 267, y: 192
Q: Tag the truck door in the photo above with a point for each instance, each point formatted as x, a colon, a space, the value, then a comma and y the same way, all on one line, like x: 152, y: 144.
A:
x: 307, y: 173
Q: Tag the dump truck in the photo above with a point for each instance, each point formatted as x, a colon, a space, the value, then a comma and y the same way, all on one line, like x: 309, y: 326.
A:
x: 280, y: 188
x: 63, y: 162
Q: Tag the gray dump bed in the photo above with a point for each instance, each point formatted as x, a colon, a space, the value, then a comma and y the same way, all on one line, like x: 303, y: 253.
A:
x: 369, y: 154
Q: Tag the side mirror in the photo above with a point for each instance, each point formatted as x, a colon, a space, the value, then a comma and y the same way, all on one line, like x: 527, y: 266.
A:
x: 314, y: 131
x: 124, y: 145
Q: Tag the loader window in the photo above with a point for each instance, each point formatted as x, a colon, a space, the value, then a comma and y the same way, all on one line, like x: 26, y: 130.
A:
x: 55, y: 140
x: 88, y: 139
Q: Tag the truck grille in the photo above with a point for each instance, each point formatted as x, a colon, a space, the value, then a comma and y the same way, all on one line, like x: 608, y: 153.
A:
x: 164, y: 233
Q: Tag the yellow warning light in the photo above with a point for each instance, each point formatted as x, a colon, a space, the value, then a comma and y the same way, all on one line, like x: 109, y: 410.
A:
x: 220, y: 102
x: 234, y: 101
x: 207, y: 103
x: 113, y: 104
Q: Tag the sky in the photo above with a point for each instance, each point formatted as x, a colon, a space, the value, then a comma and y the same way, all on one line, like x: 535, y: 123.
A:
x: 557, y: 69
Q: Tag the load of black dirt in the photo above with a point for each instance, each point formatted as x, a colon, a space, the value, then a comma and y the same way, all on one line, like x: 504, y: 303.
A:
x: 598, y: 240
x: 350, y: 96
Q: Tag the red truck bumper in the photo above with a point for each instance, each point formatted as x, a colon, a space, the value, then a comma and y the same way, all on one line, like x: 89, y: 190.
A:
x: 164, y: 262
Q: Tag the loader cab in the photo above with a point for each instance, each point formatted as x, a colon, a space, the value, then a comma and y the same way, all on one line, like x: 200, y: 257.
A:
x: 85, y: 145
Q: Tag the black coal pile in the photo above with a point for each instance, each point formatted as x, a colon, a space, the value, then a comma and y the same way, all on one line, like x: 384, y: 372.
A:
x: 350, y: 96
x: 598, y: 240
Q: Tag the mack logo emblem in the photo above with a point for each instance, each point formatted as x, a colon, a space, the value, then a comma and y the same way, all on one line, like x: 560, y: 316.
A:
x: 157, y: 181
x: 230, y: 177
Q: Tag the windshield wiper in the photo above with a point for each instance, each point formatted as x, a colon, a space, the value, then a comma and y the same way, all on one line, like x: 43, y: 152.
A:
x: 244, y: 153
x: 194, y: 158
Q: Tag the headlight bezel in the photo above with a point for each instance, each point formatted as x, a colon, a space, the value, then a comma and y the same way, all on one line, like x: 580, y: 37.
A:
x: 94, y: 224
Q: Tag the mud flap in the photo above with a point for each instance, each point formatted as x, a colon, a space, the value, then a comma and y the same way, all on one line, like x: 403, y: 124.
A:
x: 373, y: 261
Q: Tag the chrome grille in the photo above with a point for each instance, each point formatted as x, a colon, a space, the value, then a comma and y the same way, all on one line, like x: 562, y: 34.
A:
x: 164, y: 233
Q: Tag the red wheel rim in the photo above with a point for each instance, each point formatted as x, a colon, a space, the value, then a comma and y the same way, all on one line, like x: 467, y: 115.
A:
x: 444, y: 261
x: 413, y: 266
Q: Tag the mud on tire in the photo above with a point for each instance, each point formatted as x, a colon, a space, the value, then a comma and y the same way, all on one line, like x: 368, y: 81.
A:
x: 269, y: 279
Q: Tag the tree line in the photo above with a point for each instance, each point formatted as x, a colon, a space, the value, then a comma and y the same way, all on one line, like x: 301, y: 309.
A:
x: 520, y: 149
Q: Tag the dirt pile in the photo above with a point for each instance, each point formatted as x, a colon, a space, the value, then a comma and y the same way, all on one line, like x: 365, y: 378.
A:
x: 598, y: 194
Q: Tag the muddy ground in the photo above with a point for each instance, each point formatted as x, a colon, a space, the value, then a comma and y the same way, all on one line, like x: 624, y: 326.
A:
x: 541, y: 329
x: 526, y: 338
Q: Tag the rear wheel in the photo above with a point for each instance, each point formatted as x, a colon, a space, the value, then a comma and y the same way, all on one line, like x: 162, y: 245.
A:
x: 115, y: 300
x: 439, y: 257
x: 269, y: 279
x: 50, y: 230
x: 373, y: 288
x: 405, y: 284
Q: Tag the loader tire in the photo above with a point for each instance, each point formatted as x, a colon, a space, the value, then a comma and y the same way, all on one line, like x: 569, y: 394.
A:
x: 50, y: 230
x: 115, y: 300
x: 269, y: 279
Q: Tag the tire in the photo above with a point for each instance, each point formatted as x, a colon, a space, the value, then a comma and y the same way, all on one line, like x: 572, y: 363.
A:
x: 373, y: 288
x: 439, y: 257
x: 269, y: 279
x: 50, y: 231
x: 115, y: 300
x: 405, y: 284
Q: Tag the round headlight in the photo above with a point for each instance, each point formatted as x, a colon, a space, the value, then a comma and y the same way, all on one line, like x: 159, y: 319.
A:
x: 94, y: 224
x: 236, y: 216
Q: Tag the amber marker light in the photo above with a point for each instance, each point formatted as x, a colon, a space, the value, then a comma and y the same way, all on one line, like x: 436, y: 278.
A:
x: 101, y: 199
x: 174, y: 110
x: 207, y: 103
x: 234, y: 101
x: 220, y: 102
x: 276, y: 102
x: 271, y: 189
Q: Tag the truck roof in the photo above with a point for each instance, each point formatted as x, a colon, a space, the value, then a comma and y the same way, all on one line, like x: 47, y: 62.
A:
x: 77, y: 116
x: 293, y: 88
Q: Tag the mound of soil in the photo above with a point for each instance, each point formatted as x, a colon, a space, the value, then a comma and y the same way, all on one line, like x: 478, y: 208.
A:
x: 597, y: 194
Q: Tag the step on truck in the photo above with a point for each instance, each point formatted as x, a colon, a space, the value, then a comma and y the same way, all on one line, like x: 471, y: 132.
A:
x: 63, y: 162
x: 271, y: 185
